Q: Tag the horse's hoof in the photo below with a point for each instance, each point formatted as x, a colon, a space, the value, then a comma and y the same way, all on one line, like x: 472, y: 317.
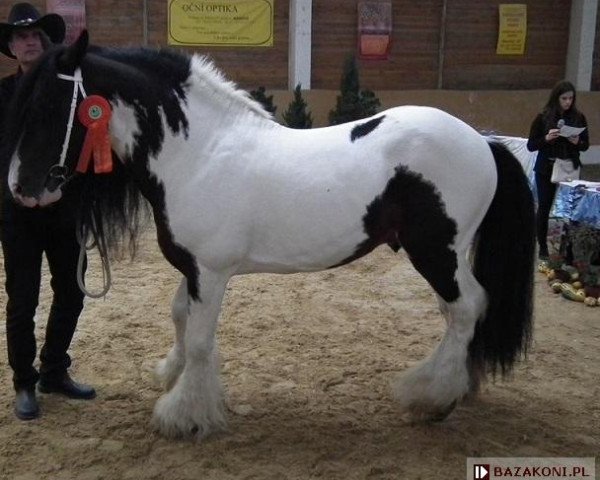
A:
x: 441, y: 415
x: 417, y: 414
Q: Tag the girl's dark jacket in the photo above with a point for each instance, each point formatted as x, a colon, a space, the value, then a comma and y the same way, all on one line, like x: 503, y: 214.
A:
x: 558, y: 148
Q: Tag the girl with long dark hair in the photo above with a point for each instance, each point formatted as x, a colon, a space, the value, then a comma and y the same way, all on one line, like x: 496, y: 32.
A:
x: 544, y: 136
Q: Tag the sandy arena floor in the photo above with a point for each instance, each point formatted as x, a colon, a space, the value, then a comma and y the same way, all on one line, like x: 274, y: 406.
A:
x: 306, y: 361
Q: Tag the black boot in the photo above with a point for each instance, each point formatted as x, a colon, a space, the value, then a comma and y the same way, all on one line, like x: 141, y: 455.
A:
x: 26, y: 405
x: 65, y: 385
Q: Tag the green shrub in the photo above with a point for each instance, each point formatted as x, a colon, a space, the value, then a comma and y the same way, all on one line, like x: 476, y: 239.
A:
x: 353, y: 103
x: 267, y: 102
x: 296, y: 115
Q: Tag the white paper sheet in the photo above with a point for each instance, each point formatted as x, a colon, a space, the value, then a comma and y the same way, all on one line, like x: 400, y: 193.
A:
x: 566, y: 131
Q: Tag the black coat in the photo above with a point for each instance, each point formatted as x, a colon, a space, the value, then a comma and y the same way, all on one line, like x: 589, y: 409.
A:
x: 8, y: 86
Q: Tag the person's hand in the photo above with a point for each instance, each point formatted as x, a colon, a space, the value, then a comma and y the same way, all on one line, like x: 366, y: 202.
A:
x: 552, y: 134
x: 574, y: 139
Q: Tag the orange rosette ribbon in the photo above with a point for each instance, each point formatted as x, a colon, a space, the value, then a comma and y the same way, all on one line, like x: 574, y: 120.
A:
x: 94, y: 113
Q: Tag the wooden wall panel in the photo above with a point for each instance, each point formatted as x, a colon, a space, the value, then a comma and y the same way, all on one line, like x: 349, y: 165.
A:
x: 114, y: 22
x: 120, y: 23
x: 414, y: 56
x: 469, y: 58
x: 470, y: 55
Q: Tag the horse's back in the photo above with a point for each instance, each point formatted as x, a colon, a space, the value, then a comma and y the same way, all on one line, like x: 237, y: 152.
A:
x: 441, y: 149
x: 424, y: 139
x: 323, y: 182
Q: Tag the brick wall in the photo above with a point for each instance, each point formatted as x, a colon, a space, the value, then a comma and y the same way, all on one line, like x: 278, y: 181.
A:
x: 469, y: 55
x: 120, y: 22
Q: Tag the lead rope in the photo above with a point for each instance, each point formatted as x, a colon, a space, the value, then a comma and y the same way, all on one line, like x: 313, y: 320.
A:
x: 83, y: 233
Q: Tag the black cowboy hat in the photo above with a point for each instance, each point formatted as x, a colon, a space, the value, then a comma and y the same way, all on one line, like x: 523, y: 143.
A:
x: 24, y: 15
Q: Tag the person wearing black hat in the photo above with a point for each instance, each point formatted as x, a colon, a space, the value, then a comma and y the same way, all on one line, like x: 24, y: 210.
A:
x: 29, y: 233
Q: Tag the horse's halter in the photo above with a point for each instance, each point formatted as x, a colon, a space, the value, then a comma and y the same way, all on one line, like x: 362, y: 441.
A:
x: 57, y: 175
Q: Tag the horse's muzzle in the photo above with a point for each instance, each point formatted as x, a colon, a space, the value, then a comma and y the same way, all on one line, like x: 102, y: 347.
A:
x: 47, y: 197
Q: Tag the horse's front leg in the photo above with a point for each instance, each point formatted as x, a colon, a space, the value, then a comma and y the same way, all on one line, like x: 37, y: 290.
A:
x: 194, y: 406
x: 169, y: 368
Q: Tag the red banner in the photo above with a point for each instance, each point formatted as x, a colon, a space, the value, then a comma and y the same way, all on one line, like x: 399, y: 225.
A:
x: 374, y: 29
x: 73, y: 12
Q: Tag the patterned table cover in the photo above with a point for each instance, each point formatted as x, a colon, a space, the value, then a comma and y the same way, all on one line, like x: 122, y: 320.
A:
x: 578, y: 201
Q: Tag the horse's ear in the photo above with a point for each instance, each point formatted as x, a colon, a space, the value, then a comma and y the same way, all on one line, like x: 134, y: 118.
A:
x: 72, y: 56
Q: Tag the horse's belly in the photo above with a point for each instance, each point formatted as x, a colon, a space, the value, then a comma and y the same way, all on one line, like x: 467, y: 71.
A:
x: 285, y: 237
x: 312, y: 248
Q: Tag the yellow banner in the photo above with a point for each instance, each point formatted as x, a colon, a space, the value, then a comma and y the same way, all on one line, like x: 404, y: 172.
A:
x: 239, y: 23
x: 512, y: 30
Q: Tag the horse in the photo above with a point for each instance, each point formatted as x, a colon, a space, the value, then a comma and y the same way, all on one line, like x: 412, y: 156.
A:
x: 233, y: 192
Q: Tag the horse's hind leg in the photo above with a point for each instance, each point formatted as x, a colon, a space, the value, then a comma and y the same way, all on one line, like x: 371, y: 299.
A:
x: 476, y: 375
x: 169, y: 368
x: 431, y: 389
x: 194, y: 406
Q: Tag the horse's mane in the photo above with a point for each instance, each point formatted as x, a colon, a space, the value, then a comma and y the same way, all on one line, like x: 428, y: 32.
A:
x: 170, y: 69
x: 153, y: 82
x: 204, y: 70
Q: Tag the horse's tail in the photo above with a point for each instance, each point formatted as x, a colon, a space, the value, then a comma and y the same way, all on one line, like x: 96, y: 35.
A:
x: 503, y: 263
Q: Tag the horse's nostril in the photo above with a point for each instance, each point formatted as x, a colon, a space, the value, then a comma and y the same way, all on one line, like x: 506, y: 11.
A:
x: 18, y: 189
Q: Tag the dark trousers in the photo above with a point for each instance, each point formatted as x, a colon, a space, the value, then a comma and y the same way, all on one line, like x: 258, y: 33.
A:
x: 545, y: 194
x: 26, y: 235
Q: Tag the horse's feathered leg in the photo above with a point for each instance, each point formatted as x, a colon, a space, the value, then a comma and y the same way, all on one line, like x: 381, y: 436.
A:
x: 488, y: 309
x: 476, y: 375
x: 194, y: 406
x: 431, y: 389
x: 169, y: 368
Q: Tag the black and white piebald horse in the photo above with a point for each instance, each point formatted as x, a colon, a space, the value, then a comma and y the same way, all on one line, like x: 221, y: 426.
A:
x: 233, y: 192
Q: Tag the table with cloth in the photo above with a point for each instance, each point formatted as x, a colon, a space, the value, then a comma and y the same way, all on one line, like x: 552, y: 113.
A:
x: 577, y: 204
x: 575, y: 217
